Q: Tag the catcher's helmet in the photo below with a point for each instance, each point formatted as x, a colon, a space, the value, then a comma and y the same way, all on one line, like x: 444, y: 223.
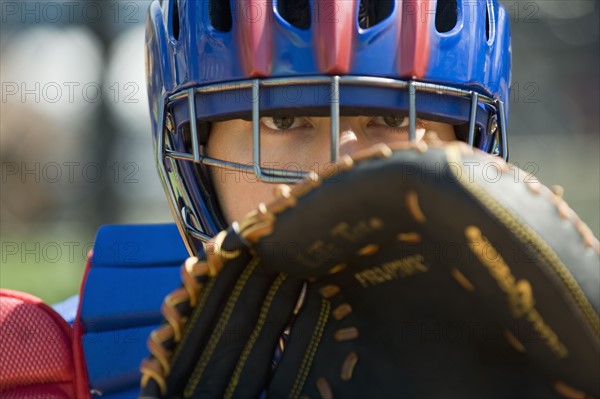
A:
x: 445, y: 60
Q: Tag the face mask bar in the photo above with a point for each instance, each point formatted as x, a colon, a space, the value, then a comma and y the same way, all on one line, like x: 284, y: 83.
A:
x: 165, y: 151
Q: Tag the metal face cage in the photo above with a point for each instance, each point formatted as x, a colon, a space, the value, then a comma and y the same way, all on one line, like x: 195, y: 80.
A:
x: 483, y: 114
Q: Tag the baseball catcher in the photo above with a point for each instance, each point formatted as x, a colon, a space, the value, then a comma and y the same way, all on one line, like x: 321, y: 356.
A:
x: 345, y: 243
x: 347, y: 223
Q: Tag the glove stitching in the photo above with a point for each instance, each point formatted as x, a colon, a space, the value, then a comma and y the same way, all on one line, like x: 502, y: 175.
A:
x: 219, y: 329
x: 262, y: 318
x: 526, y: 235
x: 197, y: 311
x: 315, y: 340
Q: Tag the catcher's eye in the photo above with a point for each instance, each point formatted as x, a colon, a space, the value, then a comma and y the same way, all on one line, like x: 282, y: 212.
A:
x: 283, y: 122
x: 390, y: 121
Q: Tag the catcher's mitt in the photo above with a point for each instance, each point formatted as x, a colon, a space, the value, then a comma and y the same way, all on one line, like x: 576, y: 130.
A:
x: 416, y: 272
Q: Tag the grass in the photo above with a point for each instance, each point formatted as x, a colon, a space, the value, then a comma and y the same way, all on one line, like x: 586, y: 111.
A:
x: 46, y: 267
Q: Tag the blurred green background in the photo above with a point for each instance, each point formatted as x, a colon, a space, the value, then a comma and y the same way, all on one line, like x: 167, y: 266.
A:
x: 75, y: 136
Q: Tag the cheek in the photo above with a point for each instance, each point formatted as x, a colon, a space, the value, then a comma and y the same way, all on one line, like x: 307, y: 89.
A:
x: 444, y: 131
x: 227, y: 141
x: 240, y: 193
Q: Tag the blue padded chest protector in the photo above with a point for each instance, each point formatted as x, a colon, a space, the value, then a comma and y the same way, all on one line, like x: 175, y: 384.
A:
x: 133, y: 268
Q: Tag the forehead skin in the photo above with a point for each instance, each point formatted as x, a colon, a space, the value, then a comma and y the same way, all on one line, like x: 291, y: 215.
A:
x: 307, y: 149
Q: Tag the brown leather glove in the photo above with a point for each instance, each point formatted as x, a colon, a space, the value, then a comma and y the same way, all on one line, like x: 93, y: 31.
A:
x: 412, y: 272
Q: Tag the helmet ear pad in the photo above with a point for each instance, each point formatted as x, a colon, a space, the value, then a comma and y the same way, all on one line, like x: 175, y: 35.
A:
x: 206, y: 178
x: 203, y: 175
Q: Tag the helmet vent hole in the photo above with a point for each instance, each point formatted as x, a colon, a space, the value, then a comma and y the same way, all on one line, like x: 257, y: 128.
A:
x: 175, y: 20
x: 295, y: 12
x: 446, y: 15
x: 487, y: 23
x: 372, y: 12
x: 220, y: 15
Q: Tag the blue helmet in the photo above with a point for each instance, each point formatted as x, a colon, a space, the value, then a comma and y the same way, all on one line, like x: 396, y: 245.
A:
x: 445, y: 60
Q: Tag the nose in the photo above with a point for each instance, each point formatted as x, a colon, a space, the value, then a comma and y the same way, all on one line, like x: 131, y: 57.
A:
x: 352, y: 136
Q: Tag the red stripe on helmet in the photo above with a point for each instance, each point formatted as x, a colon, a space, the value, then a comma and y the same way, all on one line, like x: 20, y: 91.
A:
x: 416, y: 18
x: 334, y: 30
x: 255, y: 34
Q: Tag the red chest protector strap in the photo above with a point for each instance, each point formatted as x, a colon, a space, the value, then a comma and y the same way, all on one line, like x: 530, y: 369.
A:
x: 35, y: 350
